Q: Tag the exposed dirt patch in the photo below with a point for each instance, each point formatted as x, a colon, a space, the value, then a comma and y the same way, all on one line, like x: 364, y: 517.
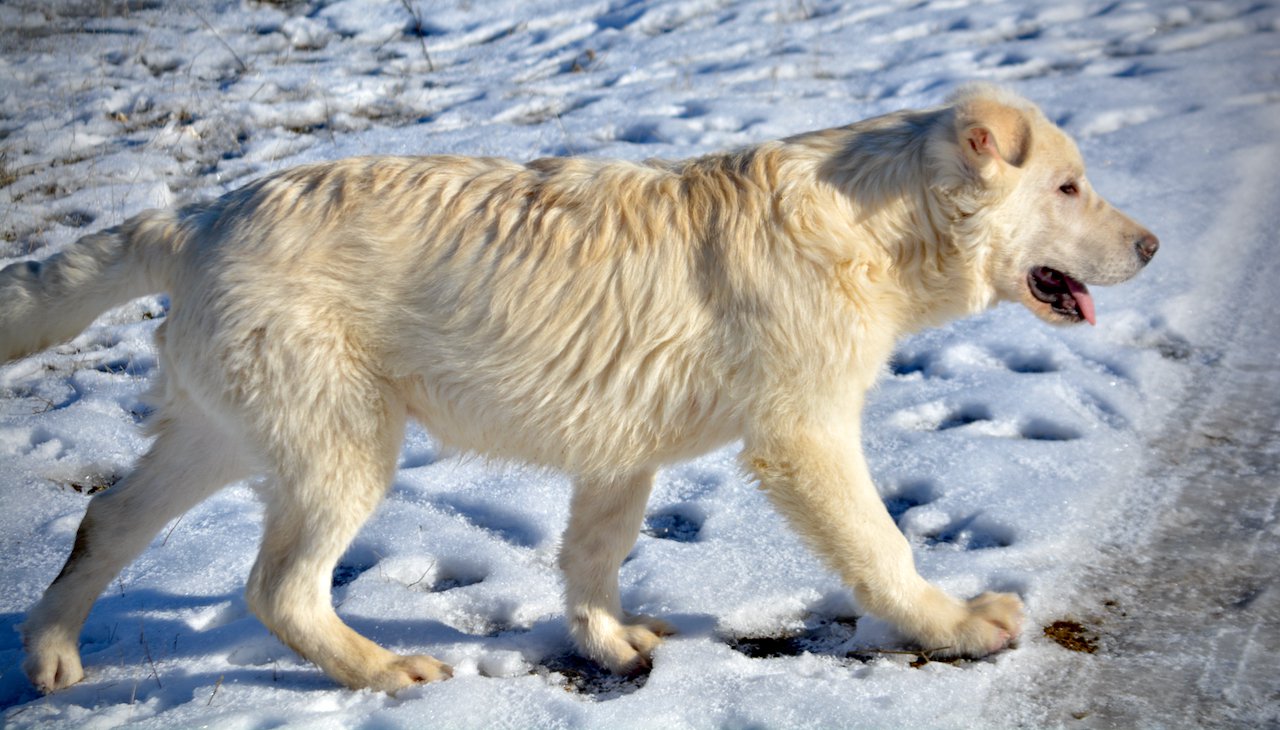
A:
x: 95, y: 483
x: 583, y: 677
x: 829, y: 636
x: 1072, y: 635
x: 826, y: 635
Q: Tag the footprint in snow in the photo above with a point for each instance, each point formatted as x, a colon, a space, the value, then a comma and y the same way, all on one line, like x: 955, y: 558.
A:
x: 911, y: 506
x: 678, y: 523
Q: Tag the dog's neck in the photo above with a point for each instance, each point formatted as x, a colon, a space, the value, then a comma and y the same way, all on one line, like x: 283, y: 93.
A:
x: 883, y: 180
x: 815, y: 194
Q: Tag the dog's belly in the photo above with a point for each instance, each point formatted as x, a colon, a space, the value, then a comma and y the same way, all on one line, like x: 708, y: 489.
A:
x: 575, y: 430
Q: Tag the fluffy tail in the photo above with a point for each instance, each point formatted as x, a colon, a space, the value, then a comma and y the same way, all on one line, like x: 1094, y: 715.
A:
x: 46, y: 302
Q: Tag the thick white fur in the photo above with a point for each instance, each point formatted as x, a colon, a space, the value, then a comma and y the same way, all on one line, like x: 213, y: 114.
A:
x: 603, y: 318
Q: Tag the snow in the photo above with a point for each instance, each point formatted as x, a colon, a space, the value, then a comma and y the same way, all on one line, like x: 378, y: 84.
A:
x: 1013, y: 455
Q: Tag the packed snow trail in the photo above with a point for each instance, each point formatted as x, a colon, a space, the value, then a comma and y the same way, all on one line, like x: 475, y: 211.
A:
x: 1193, y: 630
x: 1187, y: 607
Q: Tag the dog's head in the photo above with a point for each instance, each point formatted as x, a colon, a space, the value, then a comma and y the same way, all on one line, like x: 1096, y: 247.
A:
x: 1054, y: 235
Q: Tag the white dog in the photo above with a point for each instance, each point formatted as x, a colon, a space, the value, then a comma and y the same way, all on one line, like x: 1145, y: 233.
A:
x: 603, y: 318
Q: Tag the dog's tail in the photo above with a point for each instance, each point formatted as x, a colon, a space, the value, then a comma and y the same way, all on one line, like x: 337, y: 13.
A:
x: 46, y: 302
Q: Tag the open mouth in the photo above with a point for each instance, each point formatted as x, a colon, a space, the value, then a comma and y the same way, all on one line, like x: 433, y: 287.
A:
x: 1067, y: 297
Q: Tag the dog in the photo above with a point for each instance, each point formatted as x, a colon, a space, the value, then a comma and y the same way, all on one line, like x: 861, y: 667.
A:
x: 601, y: 318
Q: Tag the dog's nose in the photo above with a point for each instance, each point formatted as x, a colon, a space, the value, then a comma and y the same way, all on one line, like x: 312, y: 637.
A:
x: 1147, y: 246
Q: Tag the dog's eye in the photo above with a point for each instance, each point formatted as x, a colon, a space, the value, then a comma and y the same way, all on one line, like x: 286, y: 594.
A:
x: 1069, y: 189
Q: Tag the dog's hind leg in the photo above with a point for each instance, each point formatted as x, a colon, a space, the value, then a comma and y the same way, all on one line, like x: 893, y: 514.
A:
x: 603, y: 525
x: 330, y: 472
x: 189, y: 460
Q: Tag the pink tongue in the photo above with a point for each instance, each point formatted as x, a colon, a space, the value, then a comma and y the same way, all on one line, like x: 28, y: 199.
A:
x: 1084, y: 301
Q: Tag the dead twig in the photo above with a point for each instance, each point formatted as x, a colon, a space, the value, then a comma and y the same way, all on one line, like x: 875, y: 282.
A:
x: 244, y: 67
x: 419, y: 30
x: 423, y: 576
x: 922, y: 656
x: 146, y: 648
x: 216, y: 687
x: 568, y: 143
x: 173, y: 527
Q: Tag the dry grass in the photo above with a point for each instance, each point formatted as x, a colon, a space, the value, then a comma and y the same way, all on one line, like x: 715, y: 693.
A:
x: 7, y: 174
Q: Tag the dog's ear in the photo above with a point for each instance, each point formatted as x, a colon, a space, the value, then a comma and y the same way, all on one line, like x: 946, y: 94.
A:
x: 993, y: 132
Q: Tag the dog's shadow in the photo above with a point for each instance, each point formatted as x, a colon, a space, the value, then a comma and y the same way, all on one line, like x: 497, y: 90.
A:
x: 125, y: 631
x: 147, y: 629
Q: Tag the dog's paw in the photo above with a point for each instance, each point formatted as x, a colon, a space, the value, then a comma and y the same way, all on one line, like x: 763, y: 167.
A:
x: 656, y: 625
x: 52, y: 665
x: 622, y: 647
x: 992, y: 622
x: 405, y: 671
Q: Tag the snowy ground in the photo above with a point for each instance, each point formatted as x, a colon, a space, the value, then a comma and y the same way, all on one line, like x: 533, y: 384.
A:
x: 1014, y: 456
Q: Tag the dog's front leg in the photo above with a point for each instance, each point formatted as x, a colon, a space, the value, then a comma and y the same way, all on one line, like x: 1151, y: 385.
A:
x: 815, y: 475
